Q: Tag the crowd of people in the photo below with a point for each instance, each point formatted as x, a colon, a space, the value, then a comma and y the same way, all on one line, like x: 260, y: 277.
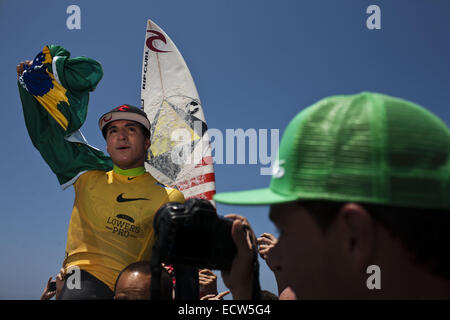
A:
x: 361, y: 182
x: 134, y: 281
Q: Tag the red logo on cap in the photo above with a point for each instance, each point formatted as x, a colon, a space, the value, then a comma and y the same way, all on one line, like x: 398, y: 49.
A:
x: 122, y: 108
x: 107, y: 118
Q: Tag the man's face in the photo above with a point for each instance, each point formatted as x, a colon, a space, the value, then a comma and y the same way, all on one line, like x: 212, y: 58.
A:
x: 126, y: 144
x: 133, y: 286
x: 305, y: 258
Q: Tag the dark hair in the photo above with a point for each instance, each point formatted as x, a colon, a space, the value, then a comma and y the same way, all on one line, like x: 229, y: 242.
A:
x: 425, y: 232
x: 267, y: 295
x: 144, y: 130
x: 144, y: 267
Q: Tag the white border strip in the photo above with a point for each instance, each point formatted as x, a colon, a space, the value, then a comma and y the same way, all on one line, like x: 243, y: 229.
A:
x: 192, y: 191
x: 78, y: 137
x: 72, y: 181
x: 55, y: 71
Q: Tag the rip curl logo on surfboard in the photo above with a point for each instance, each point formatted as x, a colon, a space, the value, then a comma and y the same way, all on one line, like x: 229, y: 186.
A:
x: 180, y: 147
x: 157, y: 36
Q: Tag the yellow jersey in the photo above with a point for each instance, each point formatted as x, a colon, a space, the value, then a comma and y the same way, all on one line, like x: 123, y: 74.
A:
x: 112, y: 221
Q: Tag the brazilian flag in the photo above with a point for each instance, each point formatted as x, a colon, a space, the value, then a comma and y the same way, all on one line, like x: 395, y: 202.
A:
x: 54, y: 91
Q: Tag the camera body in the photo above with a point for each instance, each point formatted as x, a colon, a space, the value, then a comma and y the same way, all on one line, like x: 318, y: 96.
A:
x: 193, y: 234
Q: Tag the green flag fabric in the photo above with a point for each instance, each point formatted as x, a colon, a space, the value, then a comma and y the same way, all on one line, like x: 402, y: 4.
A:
x: 54, y: 91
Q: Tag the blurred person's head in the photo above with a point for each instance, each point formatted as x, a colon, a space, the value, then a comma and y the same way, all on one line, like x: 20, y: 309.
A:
x: 361, y: 181
x: 267, y: 295
x: 133, y: 283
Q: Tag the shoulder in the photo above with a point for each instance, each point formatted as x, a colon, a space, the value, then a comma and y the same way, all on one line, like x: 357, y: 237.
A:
x: 173, y: 194
x: 176, y: 196
x: 93, y: 174
x: 89, y: 175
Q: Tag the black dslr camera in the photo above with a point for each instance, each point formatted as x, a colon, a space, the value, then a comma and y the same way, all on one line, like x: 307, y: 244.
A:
x: 193, y: 234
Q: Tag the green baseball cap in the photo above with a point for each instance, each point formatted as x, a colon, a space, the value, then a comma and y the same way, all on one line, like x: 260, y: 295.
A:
x: 367, y: 148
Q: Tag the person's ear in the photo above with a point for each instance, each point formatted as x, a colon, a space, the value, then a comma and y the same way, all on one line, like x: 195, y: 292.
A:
x: 147, y: 143
x: 359, y: 235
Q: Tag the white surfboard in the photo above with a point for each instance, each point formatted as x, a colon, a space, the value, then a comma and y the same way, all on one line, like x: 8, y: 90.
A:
x: 180, y: 151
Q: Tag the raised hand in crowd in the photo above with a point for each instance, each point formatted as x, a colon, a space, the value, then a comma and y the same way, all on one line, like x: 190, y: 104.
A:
x: 49, y: 290
x: 53, y: 287
x: 240, y: 277
x: 265, y: 244
x: 59, y: 282
x: 207, y: 282
x: 215, y: 297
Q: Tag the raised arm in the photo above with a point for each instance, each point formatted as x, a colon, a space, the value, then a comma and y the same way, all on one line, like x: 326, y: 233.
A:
x: 54, y: 90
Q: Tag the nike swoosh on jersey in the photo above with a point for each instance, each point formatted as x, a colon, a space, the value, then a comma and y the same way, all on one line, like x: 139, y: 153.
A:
x: 122, y: 199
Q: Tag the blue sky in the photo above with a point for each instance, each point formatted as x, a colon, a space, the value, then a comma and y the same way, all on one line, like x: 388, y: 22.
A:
x: 255, y: 63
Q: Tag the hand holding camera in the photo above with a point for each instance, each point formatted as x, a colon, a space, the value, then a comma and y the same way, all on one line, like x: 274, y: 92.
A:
x: 192, y: 234
x: 240, y: 277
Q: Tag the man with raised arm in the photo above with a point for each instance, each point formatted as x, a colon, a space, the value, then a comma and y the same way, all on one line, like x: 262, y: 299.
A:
x: 115, y: 198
